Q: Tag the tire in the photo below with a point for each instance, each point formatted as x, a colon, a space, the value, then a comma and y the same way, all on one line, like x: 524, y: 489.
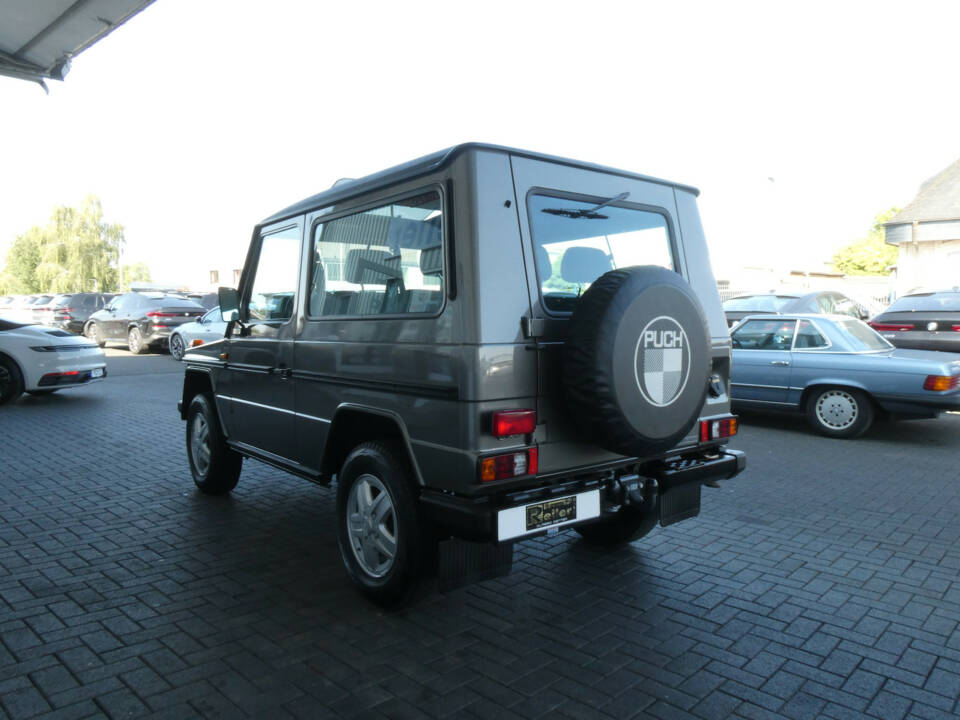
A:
x: 636, y: 360
x: 176, y: 347
x: 135, y: 341
x: 42, y: 392
x: 93, y: 332
x: 624, y: 526
x: 11, y: 381
x: 840, y: 412
x: 215, y: 467
x: 376, y: 516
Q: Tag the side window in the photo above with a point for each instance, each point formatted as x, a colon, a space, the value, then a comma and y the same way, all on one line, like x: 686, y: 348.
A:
x: 845, y: 306
x: 275, y: 281
x: 384, y: 261
x: 808, y: 337
x: 764, y: 335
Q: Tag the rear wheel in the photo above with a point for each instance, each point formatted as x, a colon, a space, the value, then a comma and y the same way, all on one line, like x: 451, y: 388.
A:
x: 383, y: 543
x: 840, y: 412
x: 11, y: 381
x: 93, y: 332
x: 135, y: 341
x: 624, y: 526
x: 176, y: 347
x: 215, y: 467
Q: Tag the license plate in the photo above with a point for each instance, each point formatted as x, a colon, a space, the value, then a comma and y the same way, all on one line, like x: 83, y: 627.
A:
x: 527, y: 519
x: 96, y: 372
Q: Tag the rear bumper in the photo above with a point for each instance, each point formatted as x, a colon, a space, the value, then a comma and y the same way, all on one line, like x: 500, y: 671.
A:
x: 925, y: 340
x: 475, y: 518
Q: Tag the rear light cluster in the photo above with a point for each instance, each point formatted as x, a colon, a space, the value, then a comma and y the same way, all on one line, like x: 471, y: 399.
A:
x: 59, y: 378
x: 718, y: 428
x: 509, y: 465
x: 939, y: 383
x: 891, y: 327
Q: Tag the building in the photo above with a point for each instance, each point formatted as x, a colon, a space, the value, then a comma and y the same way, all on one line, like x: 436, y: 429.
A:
x: 927, y: 232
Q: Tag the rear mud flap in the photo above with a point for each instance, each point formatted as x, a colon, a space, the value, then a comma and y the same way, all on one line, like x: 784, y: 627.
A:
x: 461, y: 562
x: 680, y: 502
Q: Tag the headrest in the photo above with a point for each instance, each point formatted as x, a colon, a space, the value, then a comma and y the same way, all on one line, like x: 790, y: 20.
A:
x: 544, y: 268
x: 371, y: 266
x: 584, y: 264
x: 431, y: 260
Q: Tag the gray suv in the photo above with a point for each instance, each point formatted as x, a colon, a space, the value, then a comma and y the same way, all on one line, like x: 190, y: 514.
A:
x: 480, y: 346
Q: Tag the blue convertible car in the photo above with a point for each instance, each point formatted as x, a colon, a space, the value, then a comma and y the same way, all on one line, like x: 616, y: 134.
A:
x: 837, y: 370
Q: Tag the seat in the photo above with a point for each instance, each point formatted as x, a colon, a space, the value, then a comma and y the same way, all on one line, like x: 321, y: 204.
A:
x: 581, y: 265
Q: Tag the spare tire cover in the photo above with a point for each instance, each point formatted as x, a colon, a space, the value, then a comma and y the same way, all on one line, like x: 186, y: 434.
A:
x: 636, y: 360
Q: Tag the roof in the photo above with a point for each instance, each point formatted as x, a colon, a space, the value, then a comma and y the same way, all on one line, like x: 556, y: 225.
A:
x: 938, y: 199
x: 38, y: 38
x: 344, y: 189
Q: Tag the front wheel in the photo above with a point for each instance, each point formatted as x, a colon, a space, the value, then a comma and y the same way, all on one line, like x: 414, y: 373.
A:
x: 135, y: 341
x: 176, y: 347
x: 215, y: 467
x: 93, y: 332
x: 624, y: 526
x: 382, y: 541
x: 11, y: 381
x: 840, y: 412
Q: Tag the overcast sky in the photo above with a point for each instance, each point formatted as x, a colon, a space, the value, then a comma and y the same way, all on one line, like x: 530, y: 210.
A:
x: 798, y: 121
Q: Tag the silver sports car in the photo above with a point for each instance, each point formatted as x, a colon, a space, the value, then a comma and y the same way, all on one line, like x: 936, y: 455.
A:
x: 837, y: 370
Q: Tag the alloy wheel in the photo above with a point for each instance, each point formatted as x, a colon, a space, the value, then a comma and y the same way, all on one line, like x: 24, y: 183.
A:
x: 200, y: 443
x: 837, y: 409
x: 372, y: 525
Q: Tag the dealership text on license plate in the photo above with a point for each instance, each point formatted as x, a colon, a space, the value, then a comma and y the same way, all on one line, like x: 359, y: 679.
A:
x: 96, y: 372
x: 556, y: 512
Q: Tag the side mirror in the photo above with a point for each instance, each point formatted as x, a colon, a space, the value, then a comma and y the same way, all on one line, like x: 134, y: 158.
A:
x: 229, y: 304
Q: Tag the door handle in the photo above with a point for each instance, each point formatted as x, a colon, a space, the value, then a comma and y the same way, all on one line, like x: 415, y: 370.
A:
x: 780, y: 363
x: 285, y: 372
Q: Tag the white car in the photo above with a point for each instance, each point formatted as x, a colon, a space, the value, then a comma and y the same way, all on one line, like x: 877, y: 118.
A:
x: 41, y: 360
x: 207, y: 329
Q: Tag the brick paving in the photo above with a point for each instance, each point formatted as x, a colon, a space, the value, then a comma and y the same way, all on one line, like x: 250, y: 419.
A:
x: 821, y: 583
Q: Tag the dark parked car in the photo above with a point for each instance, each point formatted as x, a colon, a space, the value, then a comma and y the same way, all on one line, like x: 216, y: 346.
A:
x: 141, y: 320
x: 923, y: 321
x: 71, y: 312
x: 827, y: 302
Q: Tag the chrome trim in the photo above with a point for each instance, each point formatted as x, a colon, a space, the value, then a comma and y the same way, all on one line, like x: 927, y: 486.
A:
x: 765, y: 402
x: 273, y: 407
x: 767, y: 387
x: 796, y: 333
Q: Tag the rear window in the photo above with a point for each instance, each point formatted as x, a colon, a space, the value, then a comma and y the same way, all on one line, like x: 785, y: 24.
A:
x: 757, y: 303
x: 934, y: 302
x: 171, y: 301
x: 576, y: 242
x: 862, y: 338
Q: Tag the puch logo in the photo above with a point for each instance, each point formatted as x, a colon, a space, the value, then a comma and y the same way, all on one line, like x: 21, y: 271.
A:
x: 662, y: 361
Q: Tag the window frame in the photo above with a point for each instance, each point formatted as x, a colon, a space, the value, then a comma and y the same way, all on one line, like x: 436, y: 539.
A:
x: 796, y: 334
x: 793, y: 339
x: 366, y: 207
x: 257, y: 248
x: 596, y: 199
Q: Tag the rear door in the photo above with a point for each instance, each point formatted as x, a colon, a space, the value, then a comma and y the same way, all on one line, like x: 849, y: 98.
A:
x: 259, y: 372
x: 762, y: 360
x: 636, y: 225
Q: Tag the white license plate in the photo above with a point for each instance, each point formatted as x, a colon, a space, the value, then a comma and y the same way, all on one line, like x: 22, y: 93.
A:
x: 96, y: 372
x: 546, y: 514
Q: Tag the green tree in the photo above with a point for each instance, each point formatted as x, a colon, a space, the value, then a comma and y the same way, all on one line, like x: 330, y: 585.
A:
x: 869, y: 255
x: 75, y: 252
x: 138, y: 272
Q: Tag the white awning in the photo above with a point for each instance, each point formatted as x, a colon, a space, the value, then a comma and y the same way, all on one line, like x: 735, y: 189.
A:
x: 38, y: 38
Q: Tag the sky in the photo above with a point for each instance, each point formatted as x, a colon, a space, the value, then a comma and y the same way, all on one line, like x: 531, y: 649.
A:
x: 798, y: 121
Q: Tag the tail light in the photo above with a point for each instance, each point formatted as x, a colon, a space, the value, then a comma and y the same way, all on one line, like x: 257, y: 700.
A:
x: 509, y: 465
x: 939, y: 383
x: 514, y: 422
x: 955, y: 328
x: 156, y: 314
x: 718, y: 428
x: 891, y: 327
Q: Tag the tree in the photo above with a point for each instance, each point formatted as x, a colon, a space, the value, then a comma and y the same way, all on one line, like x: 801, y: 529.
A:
x: 870, y: 255
x: 138, y: 272
x: 75, y: 252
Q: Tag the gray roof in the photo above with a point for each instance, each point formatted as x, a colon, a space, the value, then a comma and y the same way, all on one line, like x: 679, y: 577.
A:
x: 344, y: 189
x: 938, y: 199
x: 38, y: 38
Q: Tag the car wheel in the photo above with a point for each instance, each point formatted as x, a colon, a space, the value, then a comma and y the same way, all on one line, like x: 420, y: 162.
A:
x: 624, y: 526
x: 840, y: 412
x: 382, y: 541
x: 11, y: 381
x: 135, y: 341
x: 94, y: 333
x: 214, y: 465
x: 176, y: 347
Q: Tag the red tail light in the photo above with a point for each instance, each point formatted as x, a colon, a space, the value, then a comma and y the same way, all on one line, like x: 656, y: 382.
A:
x: 509, y: 465
x: 955, y: 328
x: 891, y: 327
x: 719, y: 428
x: 514, y: 422
x: 155, y: 314
x: 939, y: 383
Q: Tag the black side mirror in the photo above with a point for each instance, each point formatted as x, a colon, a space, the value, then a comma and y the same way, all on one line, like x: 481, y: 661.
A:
x: 229, y: 304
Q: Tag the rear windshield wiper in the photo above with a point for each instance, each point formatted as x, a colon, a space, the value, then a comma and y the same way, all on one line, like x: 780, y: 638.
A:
x: 589, y: 213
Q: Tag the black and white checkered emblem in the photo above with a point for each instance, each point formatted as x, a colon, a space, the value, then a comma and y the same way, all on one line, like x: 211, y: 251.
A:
x: 662, y: 362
